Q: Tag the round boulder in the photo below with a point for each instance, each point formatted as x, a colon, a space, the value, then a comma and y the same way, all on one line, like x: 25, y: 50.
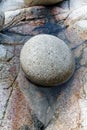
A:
x: 47, y: 60
x: 41, y: 2
x: 2, y: 20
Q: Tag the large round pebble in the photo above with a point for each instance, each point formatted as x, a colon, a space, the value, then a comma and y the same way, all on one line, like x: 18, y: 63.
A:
x: 47, y: 60
x: 41, y: 2
x: 2, y: 20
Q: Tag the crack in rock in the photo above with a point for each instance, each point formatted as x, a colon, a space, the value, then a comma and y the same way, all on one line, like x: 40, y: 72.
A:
x: 7, y: 102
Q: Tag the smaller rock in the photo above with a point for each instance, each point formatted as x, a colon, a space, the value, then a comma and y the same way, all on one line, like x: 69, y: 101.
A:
x: 47, y: 60
x: 76, y: 15
x: 78, y: 30
x: 2, y: 20
x: 41, y: 2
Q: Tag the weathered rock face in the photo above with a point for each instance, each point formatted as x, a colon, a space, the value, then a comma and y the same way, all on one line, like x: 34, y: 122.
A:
x: 6, y: 5
x: 2, y: 52
x: 2, y: 19
x: 47, y: 60
x: 41, y: 2
x: 62, y: 107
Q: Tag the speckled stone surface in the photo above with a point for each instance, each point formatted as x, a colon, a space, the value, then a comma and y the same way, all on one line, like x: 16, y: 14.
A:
x: 47, y: 60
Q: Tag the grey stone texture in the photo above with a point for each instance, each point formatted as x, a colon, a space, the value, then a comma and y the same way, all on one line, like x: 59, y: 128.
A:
x: 47, y: 60
x: 2, y: 19
x: 2, y: 52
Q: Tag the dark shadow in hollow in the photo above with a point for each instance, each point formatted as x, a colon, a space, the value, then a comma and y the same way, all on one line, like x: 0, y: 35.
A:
x: 44, y: 100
